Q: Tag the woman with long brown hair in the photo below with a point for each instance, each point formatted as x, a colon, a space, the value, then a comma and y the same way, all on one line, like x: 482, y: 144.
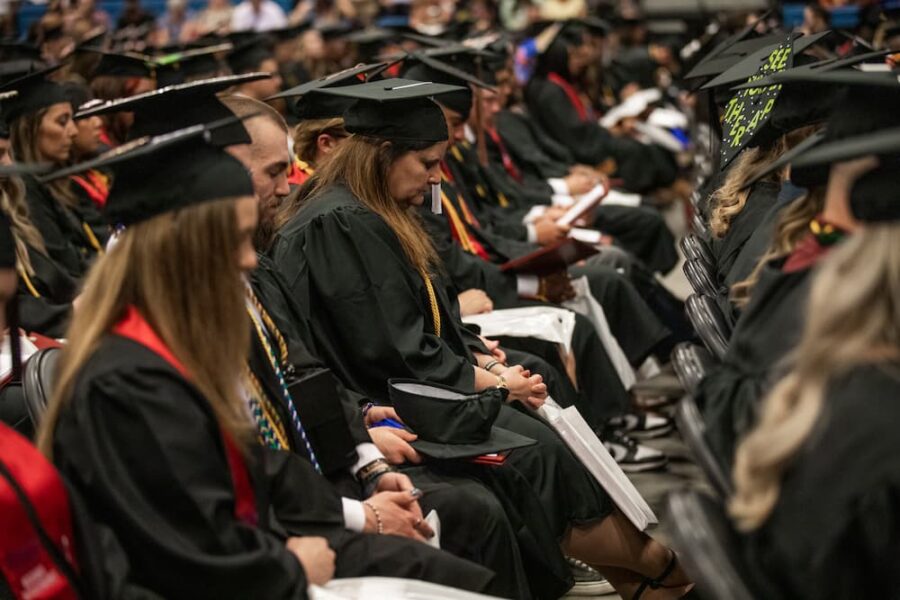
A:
x: 42, y: 131
x: 816, y: 481
x: 146, y: 419
x: 356, y: 257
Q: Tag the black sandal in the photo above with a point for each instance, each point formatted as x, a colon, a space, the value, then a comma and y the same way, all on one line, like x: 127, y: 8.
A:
x: 657, y: 582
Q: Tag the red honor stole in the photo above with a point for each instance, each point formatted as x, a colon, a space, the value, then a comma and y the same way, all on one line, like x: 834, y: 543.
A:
x: 134, y: 327
x: 32, y: 491
x: 583, y: 113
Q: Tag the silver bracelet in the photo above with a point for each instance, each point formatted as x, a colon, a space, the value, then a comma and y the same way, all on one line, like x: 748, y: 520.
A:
x: 490, y: 365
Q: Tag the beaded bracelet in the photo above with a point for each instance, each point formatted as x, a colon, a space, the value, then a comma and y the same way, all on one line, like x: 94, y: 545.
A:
x: 379, y: 526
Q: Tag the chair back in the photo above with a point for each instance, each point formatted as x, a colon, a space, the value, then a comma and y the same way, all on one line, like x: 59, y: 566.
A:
x: 37, y: 382
x: 709, y: 323
x: 693, y: 431
x: 691, y: 363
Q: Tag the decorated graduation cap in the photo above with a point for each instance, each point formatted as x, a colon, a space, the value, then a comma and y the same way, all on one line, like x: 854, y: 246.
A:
x: 395, y: 109
x: 248, y: 55
x: 312, y: 105
x: 178, y: 67
x: 425, y: 68
x: 451, y: 424
x: 159, y: 174
x: 179, y: 106
x: 34, y: 92
x: 128, y: 64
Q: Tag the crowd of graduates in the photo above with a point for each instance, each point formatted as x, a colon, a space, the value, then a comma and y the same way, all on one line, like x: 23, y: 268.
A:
x: 246, y: 275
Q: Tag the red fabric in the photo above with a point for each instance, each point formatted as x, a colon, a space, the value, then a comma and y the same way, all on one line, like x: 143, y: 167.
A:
x: 508, y: 163
x: 572, y: 94
x: 105, y: 139
x: 95, y: 184
x: 806, y: 253
x: 134, y: 327
x: 296, y: 175
x: 26, y: 565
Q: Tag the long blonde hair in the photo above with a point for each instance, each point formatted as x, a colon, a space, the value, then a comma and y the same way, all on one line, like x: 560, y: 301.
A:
x: 23, y: 138
x: 25, y: 234
x: 180, y: 271
x: 853, y: 319
x: 362, y: 164
x: 792, y: 226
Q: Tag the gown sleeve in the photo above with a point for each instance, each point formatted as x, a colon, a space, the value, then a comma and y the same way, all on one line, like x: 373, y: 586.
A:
x: 149, y: 461
x: 364, y: 291
x: 45, y: 217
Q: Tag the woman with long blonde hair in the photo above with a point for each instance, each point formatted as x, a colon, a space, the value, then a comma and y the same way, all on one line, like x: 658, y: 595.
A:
x: 357, y: 258
x: 816, y: 481
x: 42, y: 131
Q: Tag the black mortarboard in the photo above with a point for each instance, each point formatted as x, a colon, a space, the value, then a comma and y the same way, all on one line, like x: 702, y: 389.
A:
x: 14, y: 69
x: 808, y: 71
x: 291, y: 32
x: 749, y: 65
x: 35, y: 92
x: 373, y: 35
x: 249, y: 55
x: 331, y: 31
x: 452, y: 424
x: 95, y: 41
x: 155, y: 175
x: 730, y: 46
x: 17, y: 50
x: 312, y: 105
x: 180, y: 106
x: 421, y: 67
x: 178, y: 67
x: 78, y: 94
x: 395, y: 109
x: 121, y: 64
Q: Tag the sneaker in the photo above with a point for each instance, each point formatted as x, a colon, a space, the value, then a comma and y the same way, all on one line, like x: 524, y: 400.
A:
x: 588, y: 580
x: 642, y: 426
x: 631, y: 456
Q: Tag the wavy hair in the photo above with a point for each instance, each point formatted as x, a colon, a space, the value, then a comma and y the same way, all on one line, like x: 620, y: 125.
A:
x: 25, y: 234
x: 853, y: 319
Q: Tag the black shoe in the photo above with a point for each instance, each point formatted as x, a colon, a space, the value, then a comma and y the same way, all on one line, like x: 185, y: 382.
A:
x: 631, y: 456
x: 642, y: 426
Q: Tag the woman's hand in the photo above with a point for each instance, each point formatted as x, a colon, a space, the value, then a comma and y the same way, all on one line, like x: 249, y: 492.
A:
x: 316, y: 557
x: 494, y: 348
x: 400, y: 514
x: 394, y: 482
x: 394, y: 444
x: 474, y: 302
x: 526, y: 388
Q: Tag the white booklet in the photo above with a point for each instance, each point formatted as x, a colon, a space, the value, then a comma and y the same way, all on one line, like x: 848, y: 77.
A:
x: 388, y: 588
x: 546, y: 323
x: 583, y: 204
x: 583, y: 442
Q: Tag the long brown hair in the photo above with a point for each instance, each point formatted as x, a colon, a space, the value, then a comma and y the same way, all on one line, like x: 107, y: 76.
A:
x: 180, y: 271
x: 792, y: 226
x: 307, y: 132
x: 362, y: 164
x: 25, y: 234
x: 23, y: 140
x: 853, y: 320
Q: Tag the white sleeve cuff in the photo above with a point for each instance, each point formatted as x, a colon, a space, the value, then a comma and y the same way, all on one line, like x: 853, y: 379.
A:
x: 563, y: 200
x: 354, y: 515
x: 559, y: 186
x: 528, y: 286
x: 534, y: 213
x: 366, y: 452
x: 532, y: 233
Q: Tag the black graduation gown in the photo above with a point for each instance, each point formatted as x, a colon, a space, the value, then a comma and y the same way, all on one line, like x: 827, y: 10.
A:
x: 766, y: 332
x: 90, y: 214
x: 763, y: 197
x: 642, y: 167
x: 757, y: 245
x: 835, y: 532
x: 45, y: 297
x: 142, y: 447
x: 62, y: 229
x: 533, y: 151
x: 370, y: 315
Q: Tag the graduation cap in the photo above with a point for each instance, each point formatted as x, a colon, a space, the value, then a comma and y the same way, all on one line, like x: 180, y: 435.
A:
x: 333, y: 31
x: 421, y: 67
x: 129, y: 64
x: 14, y: 69
x: 395, y: 109
x: 95, y: 41
x: 35, y: 92
x: 808, y: 71
x: 730, y: 46
x: 180, y: 106
x: 178, y: 67
x: 291, y: 32
x: 250, y: 54
x: 451, y: 424
x: 312, y: 105
x: 18, y: 50
x: 159, y: 174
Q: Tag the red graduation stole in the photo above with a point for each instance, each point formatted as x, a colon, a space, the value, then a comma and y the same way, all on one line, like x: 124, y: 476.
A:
x: 508, y: 163
x: 95, y: 184
x: 36, y: 534
x: 134, y: 327
x: 572, y: 94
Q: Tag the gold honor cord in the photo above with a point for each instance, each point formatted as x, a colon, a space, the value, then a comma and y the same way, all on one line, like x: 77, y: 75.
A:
x: 432, y: 299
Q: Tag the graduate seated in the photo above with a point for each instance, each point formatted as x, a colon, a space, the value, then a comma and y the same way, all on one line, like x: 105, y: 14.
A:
x: 816, y: 480
x: 148, y: 425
